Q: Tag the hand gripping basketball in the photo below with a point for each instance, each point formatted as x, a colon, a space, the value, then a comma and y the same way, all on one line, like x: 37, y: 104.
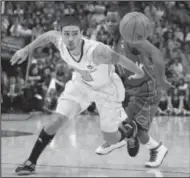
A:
x: 139, y: 75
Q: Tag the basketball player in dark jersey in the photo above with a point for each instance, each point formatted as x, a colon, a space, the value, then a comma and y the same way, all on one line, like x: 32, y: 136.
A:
x: 144, y: 94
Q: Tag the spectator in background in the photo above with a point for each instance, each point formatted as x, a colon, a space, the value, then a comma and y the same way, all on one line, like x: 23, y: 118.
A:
x: 50, y: 58
x: 163, y: 105
x: 25, y: 31
x: 173, y: 101
x: 177, y: 99
x: 30, y: 21
x: 187, y: 33
x: 168, y: 44
x: 37, y: 30
x: 187, y: 101
x: 19, y: 75
x: 102, y: 35
x: 151, y: 12
x: 186, y: 61
x: 5, y: 25
x: 99, y: 14
x: 4, y: 86
x: 50, y: 101
x: 9, y: 8
x: 39, y: 55
x: 20, y: 29
x: 183, y: 18
x: 179, y: 35
x: 16, y: 26
x: 177, y: 68
x: 45, y: 79
x: 18, y: 11
x: 34, y: 75
x: 91, y: 32
x: 13, y: 98
x: 182, y: 88
x: 161, y: 11
x: 34, y: 92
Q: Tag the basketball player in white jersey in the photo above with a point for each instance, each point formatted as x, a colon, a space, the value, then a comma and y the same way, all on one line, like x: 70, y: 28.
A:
x: 94, y: 79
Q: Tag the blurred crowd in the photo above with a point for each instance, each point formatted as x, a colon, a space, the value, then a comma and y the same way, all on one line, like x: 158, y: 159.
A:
x: 39, y: 88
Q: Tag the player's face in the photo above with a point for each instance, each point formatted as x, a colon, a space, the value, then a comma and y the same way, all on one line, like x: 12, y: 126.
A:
x: 71, y: 36
x: 112, y: 22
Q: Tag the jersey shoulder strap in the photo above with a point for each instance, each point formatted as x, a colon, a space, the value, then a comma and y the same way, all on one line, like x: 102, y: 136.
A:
x: 90, y: 47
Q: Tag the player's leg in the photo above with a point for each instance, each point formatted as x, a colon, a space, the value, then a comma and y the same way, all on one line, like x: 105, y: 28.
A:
x: 157, y: 150
x: 68, y: 106
x: 111, y: 116
x: 110, y: 119
x: 133, y: 144
x: 138, y: 106
x: 47, y: 134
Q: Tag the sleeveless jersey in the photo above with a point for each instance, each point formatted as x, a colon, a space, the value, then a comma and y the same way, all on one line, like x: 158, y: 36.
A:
x: 124, y: 49
x: 85, y: 70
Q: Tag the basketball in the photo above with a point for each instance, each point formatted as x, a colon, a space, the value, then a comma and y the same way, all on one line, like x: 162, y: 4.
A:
x: 135, y: 26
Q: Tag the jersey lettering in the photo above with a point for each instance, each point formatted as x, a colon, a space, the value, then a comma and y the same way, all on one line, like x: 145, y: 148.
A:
x: 85, y: 75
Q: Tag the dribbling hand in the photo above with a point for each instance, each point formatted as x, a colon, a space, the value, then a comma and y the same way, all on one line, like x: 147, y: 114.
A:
x: 137, y: 75
x: 20, y: 56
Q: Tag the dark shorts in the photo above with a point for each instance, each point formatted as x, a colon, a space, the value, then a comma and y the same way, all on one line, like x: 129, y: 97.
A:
x: 143, y: 107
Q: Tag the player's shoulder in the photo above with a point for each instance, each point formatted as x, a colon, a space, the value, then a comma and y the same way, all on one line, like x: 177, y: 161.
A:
x: 91, y: 46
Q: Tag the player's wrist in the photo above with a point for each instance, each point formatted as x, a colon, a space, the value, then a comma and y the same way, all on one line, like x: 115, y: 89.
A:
x: 140, y: 72
x: 27, y: 49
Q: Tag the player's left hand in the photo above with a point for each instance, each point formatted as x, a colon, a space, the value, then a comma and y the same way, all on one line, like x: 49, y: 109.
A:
x: 137, y: 75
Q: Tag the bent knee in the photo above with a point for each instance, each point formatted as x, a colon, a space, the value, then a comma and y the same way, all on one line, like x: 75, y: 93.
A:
x: 143, y: 136
x: 109, y: 128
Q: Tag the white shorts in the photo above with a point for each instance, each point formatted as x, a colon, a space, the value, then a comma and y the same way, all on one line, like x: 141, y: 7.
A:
x: 108, y: 101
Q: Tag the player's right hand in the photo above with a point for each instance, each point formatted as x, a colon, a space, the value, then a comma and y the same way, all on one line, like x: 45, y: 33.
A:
x: 137, y: 75
x: 20, y: 56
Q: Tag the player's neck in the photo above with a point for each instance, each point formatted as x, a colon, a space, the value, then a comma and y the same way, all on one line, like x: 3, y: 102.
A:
x: 77, y: 51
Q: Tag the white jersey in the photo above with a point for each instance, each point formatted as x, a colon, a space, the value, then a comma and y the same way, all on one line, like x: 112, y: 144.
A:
x: 85, y: 69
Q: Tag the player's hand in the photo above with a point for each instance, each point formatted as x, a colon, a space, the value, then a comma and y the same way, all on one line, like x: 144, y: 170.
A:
x: 20, y: 56
x: 137, y: 75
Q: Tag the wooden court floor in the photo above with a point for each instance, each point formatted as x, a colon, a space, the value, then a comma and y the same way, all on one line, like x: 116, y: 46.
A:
x: 72, y: 153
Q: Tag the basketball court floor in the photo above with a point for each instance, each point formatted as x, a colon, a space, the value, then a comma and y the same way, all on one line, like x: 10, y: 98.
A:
x: 72, y: 153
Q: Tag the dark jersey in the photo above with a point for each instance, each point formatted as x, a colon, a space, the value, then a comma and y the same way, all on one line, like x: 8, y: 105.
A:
x: 132, y: 85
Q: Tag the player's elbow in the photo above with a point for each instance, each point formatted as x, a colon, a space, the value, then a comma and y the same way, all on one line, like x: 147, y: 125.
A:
x: 117, y: 58
x: 112, y: 58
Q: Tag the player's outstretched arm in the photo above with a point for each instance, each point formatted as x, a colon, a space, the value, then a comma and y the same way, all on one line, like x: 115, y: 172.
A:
x: 150, y: 50
x: 44, y: 39
x: 103, y: 54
